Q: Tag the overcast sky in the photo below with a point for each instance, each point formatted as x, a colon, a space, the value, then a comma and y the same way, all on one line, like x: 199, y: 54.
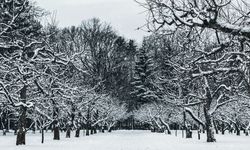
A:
x: 124, y: 15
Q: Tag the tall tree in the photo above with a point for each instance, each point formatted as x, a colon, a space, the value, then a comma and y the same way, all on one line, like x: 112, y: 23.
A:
x: 143, y: 91
x: 20, y: 43
x: 208, y: 65
x: 27, y: 62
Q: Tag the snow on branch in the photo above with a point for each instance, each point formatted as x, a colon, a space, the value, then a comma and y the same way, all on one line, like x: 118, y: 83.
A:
x: 211, y: 15
x: 7, y: 94
x: 193, y: 104
x: 214, y: 71
x: 40, y: 87
x: 26, y: 105
x: 42, y: 113
x: 222, y: 86
x: 11, y: 23
x: 191, y: 113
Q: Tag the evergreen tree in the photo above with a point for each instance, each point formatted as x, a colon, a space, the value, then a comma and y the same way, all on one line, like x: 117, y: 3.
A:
x: 122, y: 74
x: 143, y: 88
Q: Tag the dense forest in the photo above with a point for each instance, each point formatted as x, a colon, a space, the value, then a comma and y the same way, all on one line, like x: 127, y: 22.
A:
x: 191, y: 73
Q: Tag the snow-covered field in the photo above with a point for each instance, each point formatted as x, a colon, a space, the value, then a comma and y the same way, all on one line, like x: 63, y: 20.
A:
x: 127, y: 140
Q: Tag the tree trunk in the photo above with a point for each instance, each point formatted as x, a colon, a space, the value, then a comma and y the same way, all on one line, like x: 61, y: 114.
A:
x: 56, y: 131
x: 199, y: 134
x: 95, y: 131
x: 22, y: 120
x: 238, y: 132
x: 169, y: 132
x: 68, y: 133
x: 4, y: 132
x: 88, y: 126
x: 4, y: 122
x: 215, y: 127
x: 87, y: 132
x: 91, y: 131
x: 109, y: 129
x: 203, y: 130
x: 223, y: 132
x: 210, y: 133
x: 77, y: 132
x: 209, y: 126
x: 103, y: 129
x: 21, y: 128
x: 42, y: 135
x: 188, y: 132
x: 152, y: 129
x: 230, y: 129
x: 15, y: 131
x: 237, y: 128
x: 222, y: 128
x: 246, y: 132
x: 56, y: 128
x: 166, y: 126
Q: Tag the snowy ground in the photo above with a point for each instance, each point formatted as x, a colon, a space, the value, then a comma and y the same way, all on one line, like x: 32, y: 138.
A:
x: 126, y: 140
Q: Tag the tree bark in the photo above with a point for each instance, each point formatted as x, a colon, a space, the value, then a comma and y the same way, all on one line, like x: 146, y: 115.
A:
x: 42, y: 135
x: 103, y: 129
x: 68, y: 133
x: 4, y: 122
x: 21, y: 129
x: 87, y: 131
x: 77, y: 132
x: 88, y: 122
x: 215, y: 127
x: 166, y: 126
x: 188, y: 132
x: 222, y: 128
x: 95, y: 131
x: 238, y: 131
x: 246, y: 132
x: 22, y: 120
x: 199, y: 134
x: 237, y: 128
x: 209, y: 126
x: 91, y: 130
x: 110, y: 129
x: 56, y: 131
x: 4, y: 132
x: 56, y: 122
x: 208, y: 116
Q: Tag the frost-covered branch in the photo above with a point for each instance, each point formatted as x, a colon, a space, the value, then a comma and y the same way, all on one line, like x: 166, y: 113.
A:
x: 191, y: 113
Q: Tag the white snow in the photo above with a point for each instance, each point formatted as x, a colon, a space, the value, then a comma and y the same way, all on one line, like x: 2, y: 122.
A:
x: 235, y: 27
x: 127, y: 140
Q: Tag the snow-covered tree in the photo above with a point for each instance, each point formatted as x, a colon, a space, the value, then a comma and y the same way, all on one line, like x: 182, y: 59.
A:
x: 143, y: 91
x: 29, y: 66
x: 158, y: 115
x: 20, y: 34
x: 228, y: 16
x: 215, y: 66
